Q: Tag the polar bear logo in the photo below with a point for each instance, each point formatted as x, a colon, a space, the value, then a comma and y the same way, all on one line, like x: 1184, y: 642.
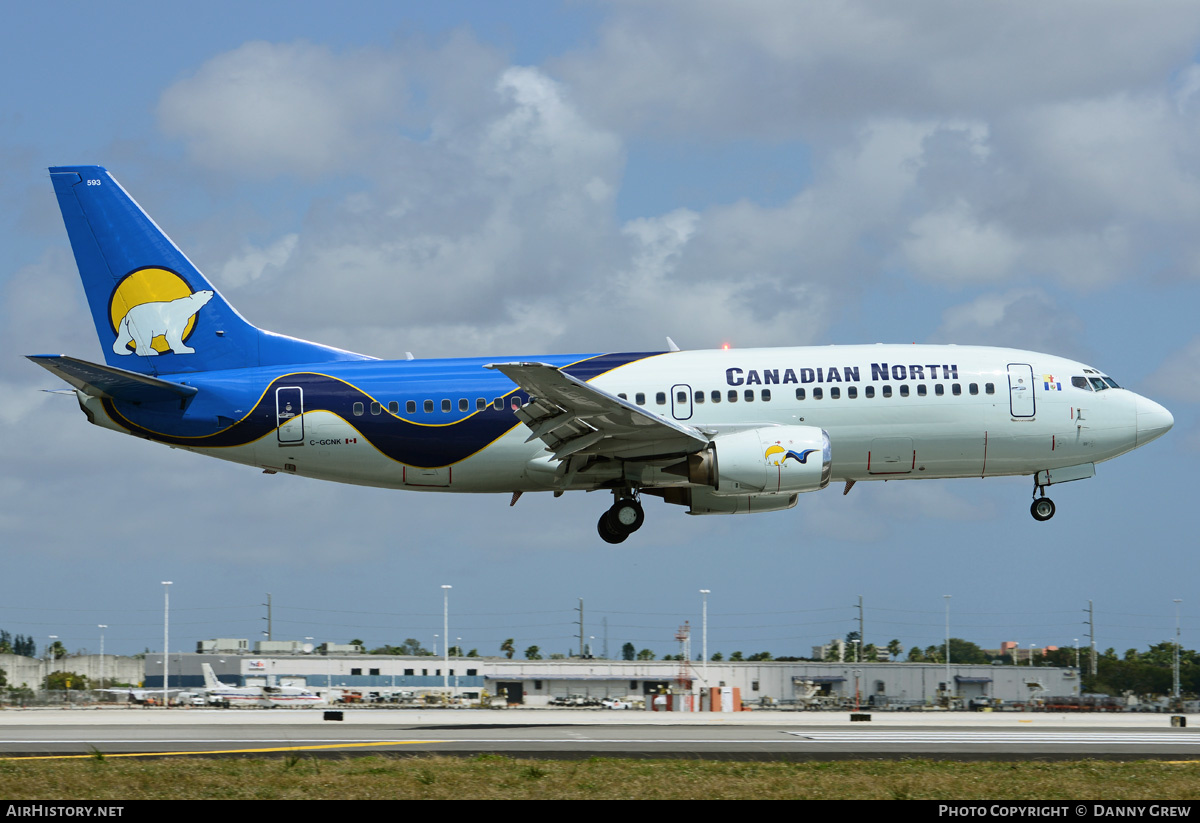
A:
x: 142, y: 323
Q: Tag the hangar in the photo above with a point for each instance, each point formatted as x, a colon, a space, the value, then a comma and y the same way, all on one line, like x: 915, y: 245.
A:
x: 535, y: 683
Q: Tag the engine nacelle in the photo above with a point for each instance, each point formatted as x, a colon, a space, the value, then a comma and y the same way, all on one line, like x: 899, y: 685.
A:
x: 769, y: 460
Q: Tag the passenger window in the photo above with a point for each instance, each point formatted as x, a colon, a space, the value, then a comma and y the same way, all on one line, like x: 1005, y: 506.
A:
x: 939, y: 390
x: 463, y: 404
x: 498, y: 404
x: 835, y: 393
x: 904, y: 390
x: 956, y: 389
x: 699, y: 397
x: 446, y: 405
x: 622, y: 396
x: 660, y: 398
x: 1081, y: 383
x: 515, y: 403
x: 990, y: 388
x: 716, y: 396
x: 640, y: 398
x: 921, y: 390
x: 766, y: 395
x: 799, y: 394
x: 733, y: 395
x: 375, y: 407
x: 749, y: 395
x: 428, y: 406
x: 358, y: 409
x: 394, y: 407
x: 480, y: 404
x: 973, y: 388
x: 818, y: 394
x: 887, y: 391
x: 680, y: 397
x: 411, y: 407
x: 852, y: 392
x: 870, y: 391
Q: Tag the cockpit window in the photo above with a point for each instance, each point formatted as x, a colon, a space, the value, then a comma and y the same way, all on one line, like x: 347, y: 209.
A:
x: 1111, y: 382
x: 1098, y: 384
x: 1081, y: 383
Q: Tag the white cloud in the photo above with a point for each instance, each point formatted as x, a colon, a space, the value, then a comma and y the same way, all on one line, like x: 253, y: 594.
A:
x: 1055, y: 143
x: 252, y: 262
x: 1018, y: 318
x: 871, y: 510
x: 266, y: 108
x: 786, y: 69
x: 1175, y: 378
x: 952, y: 246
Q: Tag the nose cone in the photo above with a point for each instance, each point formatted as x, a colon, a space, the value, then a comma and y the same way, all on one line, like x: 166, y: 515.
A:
x: 1153, y: 421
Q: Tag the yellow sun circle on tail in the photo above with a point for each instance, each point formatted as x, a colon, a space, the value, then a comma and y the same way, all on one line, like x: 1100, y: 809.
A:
x: 149, y: 285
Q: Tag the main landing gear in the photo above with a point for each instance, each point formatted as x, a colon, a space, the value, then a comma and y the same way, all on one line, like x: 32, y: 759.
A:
x: 1043, y: 507
x: 623, y: 519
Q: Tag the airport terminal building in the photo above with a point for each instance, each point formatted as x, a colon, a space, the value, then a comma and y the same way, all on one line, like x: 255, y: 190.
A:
x: 335, y: 671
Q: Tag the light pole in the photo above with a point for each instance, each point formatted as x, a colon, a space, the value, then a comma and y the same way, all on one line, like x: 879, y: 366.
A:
x: 166, y: 633
x: 947, y: 648
x: 1176, y: 666
x: 50, y: 667
x: 446, y: 634
x: 102, y: 627
x: 704, y: 632
x: 1076, y: 652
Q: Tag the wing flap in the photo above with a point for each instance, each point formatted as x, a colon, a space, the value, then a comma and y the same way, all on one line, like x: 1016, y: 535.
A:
x: 574, y: 417
x: 111, y: 382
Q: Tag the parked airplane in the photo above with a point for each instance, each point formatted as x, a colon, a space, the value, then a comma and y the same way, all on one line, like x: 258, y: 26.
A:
x: 221, y: 694
x: 719, y: 432
x: 150, y: 696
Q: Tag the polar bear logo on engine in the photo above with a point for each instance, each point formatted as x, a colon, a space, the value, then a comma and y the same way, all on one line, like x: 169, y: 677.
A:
x: 168, y: 319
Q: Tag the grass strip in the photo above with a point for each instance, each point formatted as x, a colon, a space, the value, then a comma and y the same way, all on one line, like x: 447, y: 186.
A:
x: 494, y: 777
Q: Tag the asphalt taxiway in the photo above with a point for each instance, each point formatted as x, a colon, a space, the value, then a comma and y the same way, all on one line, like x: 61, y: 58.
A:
x: 566, y: 734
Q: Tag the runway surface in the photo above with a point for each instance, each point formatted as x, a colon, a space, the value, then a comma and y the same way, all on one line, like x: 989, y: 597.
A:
x: 567, y: 734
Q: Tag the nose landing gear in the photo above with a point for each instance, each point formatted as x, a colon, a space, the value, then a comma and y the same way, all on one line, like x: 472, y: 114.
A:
x: 1043, y: 507
x: 623, y: 519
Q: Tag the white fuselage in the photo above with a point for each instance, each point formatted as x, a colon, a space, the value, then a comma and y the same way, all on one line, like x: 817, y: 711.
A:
x: 891, y: 411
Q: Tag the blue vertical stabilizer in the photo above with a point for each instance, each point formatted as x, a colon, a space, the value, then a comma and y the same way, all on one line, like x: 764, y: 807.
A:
x: 155, y: 313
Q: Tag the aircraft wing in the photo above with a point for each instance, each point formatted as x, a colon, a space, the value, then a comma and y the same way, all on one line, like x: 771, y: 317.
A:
x: 574, y: 417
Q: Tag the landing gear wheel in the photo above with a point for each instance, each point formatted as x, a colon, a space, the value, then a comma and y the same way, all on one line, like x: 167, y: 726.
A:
x: 627, y: 515
x: 609, y: 533
x: 1042, y: 509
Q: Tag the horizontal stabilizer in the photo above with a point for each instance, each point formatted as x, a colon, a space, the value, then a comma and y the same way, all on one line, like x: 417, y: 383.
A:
x: 111, y: 382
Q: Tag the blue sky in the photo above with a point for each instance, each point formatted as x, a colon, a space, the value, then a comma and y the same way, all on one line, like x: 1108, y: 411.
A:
x: 479, y: 178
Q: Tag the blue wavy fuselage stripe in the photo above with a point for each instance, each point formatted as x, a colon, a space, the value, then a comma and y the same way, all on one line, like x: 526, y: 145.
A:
x: 215, y: 419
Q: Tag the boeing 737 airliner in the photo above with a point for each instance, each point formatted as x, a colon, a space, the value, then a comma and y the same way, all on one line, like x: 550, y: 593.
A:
x: 718, y: 432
